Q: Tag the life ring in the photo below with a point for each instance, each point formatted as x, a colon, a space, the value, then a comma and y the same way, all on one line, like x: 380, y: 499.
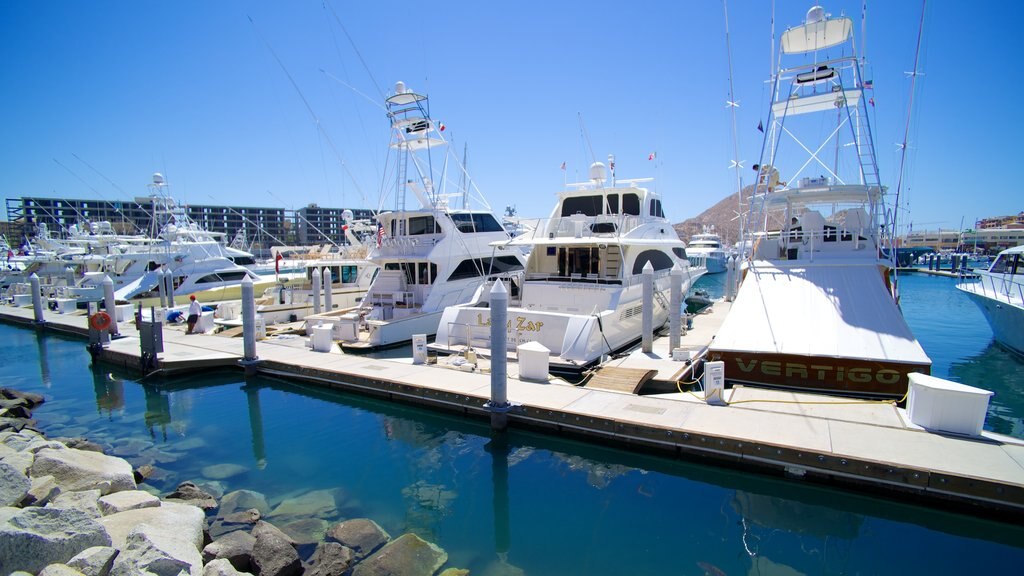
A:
x: 100, y: 321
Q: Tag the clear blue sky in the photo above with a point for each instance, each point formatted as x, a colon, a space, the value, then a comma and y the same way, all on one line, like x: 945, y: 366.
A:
x: 96, y: 96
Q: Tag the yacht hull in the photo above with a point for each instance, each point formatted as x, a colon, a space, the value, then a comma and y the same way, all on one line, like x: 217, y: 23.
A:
x: 1006, y: 320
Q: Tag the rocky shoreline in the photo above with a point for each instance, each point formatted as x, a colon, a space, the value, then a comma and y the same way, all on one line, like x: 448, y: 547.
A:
x: 67, y: 508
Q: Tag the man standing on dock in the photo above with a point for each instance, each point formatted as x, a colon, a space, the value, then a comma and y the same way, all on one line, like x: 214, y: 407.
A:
x: 194, y: 310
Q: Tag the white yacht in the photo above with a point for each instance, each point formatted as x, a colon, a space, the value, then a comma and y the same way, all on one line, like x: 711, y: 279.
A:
x: 999, y: 292
x: 817, y: 308
x: 430, y: 256
x: 709, y: 245
x: 581, y: 293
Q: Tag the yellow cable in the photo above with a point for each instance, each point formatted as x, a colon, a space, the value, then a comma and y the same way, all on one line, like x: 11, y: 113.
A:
x: 679, y: 387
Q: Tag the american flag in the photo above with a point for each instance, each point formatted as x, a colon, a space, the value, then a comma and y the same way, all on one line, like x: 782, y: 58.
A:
x: 380, y: 234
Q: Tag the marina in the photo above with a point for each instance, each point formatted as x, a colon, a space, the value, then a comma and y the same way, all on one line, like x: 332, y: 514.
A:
x: 601, y: 486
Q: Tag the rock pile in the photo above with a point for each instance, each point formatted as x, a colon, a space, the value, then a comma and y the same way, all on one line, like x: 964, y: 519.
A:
x: 66, y: 508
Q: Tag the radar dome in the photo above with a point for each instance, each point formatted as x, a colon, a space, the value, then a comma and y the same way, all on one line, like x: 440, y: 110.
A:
x: 399, y: 87
x: 158, y: 178
x: 597, y: 172
x: 815, y: 14
x: 346, y: 215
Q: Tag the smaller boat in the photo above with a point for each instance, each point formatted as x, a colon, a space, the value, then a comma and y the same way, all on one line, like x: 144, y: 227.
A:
x: 999, y: 292
x: 709, y: 245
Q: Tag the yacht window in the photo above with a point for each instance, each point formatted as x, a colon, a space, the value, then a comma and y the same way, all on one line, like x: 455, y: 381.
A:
x: 657, y: 258
x: 476, y: 222
x: 244, y: 260
x: 586, y: 205
x: 349, y: 274
x: 656, y: 208
x: 423, y: 225
x: 631, y: 204
x: 680, y: 253
x: 422, y: 272
x: 612, y: 201
x: 475, y: 267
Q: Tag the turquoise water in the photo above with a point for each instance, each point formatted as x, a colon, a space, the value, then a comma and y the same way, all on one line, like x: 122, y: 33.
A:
x: 531, y: 503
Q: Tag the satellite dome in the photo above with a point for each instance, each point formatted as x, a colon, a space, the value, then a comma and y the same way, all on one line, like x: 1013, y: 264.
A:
x: 597, y: 172
x: 346, y: 215
x: 158, y: 178
x: 815, y: 14
x: 399, y: 87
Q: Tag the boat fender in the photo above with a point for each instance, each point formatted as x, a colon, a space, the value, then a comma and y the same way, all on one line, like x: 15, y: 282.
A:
x: 100, y: 321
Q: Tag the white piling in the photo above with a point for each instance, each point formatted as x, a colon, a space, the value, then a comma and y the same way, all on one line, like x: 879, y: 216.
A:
x: 647, y: 307
x: 248, y: 320
x: 675, y: 307
x: 108, y: 303
x: 499, y: 359
x: 316, y: 290
x: 69, y: 276
x: 328, y: 290
x: 169, y: 276
x: 730, y: 277
x: 161, y: 287
x: 37, y: 298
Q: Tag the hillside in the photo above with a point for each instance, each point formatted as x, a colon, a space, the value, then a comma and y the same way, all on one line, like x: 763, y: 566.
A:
x: 722, y: 216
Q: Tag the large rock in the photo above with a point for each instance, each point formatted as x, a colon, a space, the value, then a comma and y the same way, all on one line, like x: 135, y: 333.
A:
x: 235, y: 547
x: 86, y: 501
x: 330, y: 559
x: 32, y: 399
x: 59, y: 570
x: 320, y: 503
x: 32, y: 538
x: 244, y: 520
x: 362, y: 535
x: 84, y: 470
x: 156, y: 551
x: 305, y: 530
x: 244, y: 500
x: 263, y: 526
x: 223, y: 471
x: 14, y: 485
x: 21, y: 461
x: 181, y: 520
x: 408, y: 555
x: 273, y: 554
x: 95, y: 561
x: 126, y: 500
x: 43, y: 490
x: 221, y: 568
x: 189, y: 493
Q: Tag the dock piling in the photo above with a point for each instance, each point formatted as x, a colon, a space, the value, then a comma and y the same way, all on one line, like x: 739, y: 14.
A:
x: 675, y: 307
x: 37, y: 298
x: 249, y: 358
x: 108, y: 303
x: 161, y: 287
x: 647, y: 307
x: 328, y: 281
x: 69, y: 276
x: 499, y: 405
x: 316, y: 290
x: 169, y: 278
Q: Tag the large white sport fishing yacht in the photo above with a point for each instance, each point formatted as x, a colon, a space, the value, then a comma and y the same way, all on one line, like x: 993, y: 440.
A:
x: 431, y: 256
x: 709, y: 245
x: 582, y: 290
x: 999, y: 292
x: 817, y: 308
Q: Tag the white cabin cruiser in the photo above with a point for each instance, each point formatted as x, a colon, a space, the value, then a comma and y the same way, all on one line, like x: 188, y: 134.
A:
x: 816, y: 309
x: 432, y: 256
x: 999, y: 292
x: 582, y: 290
x: 709, y: 245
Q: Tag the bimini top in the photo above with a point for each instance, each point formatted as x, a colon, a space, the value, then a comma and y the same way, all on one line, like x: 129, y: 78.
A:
x: 820, y: 311
x: 817, y: 33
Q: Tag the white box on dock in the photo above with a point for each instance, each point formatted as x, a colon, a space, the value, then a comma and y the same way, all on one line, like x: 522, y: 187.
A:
x: 534, y: 359
x: 124, y: 312
x: 205, y: 323
x: 322, y: 338
x: 941, y: 405
x: 21, y: 300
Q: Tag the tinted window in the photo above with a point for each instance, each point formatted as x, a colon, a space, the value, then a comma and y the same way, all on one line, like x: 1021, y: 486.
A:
x: 476, y: 222
x: 680, y: 253
x: 613, y: 203
x: 586, y: 205
x: 656, y: 208
x: 423, y: 225
x: 476, y: 267
x: 657, y: 258
x: 631, y: 204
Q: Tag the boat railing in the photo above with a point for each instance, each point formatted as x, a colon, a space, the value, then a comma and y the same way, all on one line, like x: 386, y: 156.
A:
x: 797, y: 242
x: 1004, y: 287
x: 469, y: 335
x: 571, y: 278
x: 581, y: 226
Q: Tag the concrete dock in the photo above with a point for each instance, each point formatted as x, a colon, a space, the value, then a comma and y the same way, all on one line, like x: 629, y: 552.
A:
x: 860, y: 445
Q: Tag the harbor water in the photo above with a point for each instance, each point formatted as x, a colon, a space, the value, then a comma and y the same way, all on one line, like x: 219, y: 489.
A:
x: 525, y: 503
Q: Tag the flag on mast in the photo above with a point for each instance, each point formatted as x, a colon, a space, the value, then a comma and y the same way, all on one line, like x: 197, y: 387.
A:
x: 652, y: 155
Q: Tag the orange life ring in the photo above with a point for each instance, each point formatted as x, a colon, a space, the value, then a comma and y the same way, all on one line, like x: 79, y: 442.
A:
x: 100, y: 321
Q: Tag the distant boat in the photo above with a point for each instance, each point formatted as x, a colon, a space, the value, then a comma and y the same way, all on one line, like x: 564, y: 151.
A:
x: 709, y: 245
x: 581, y: 295
x: 430, y: 256
x: 999, y: 292
x: 816, y: 309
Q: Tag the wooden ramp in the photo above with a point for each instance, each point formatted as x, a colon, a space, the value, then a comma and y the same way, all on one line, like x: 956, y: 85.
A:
x: 628, y: 380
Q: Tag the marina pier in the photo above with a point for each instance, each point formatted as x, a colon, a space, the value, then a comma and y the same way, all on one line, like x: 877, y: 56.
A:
x: 860, y: 445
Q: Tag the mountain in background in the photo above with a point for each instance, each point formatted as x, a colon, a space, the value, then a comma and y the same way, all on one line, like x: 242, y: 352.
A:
x: 722, y: 216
